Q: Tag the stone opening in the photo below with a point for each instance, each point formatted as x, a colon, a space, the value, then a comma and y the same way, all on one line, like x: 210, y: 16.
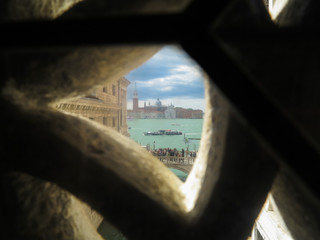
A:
x: 275, y: 7
x: 109, y: 110
x: 50, y: 144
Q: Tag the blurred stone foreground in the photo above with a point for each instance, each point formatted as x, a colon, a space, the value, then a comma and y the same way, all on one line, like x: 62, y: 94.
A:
x: 261, y: 133
x: 38, y: 79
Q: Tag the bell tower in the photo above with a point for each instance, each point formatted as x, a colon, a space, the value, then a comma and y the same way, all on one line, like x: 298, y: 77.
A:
x: 135, y: 100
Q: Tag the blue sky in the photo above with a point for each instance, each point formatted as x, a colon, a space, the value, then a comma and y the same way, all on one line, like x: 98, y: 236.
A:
x: 170, y: 75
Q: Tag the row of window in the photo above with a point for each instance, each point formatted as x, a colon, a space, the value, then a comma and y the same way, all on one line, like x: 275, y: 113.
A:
x: 114, y: 92
x: 105, y: 121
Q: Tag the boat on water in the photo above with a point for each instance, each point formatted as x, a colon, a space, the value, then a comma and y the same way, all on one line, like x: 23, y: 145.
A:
x: 189, y: 140
x: 163, y: 132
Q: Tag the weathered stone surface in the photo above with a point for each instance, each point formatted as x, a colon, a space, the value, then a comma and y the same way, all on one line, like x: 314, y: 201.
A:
x: 234, y: 171
x: 101, y: 8
x: 46, y: 76
x: 293, y: 12
x: 298, y: 207
x: 37, y: 209
x: 34, y: 9
x: 102, y: 167
x: 285, y: 68
x: 51, y: 9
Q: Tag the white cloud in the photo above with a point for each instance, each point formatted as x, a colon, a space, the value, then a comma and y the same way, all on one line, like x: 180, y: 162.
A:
x: 168, y: 74
x: 178, y: 75
x: 166, y: 89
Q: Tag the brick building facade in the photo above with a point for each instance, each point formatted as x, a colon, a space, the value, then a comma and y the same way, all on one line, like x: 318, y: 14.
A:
x: 106, y: 105
x: 188, y: 113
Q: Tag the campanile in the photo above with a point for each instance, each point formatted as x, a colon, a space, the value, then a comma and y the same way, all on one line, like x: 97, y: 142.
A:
x: 135, y: 100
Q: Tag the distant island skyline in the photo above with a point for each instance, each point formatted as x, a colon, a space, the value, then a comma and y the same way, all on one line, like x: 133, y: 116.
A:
x: 166, y: 102
x: 170, y: 75
x: 159, y: 110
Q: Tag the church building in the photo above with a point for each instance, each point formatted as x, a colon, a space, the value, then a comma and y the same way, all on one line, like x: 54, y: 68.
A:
x: 158, y: 110
x: 149, y: 111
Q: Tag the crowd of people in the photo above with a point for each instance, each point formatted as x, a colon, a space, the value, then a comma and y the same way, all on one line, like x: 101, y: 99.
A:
x: 173, y: 154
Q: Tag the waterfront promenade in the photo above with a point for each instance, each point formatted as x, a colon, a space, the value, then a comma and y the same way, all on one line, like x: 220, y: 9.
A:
x: 177, y: 160
x: 183, y: 164
x: 172, y: 155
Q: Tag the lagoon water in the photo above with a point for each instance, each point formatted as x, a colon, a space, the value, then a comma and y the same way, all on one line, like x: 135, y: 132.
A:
x: 181, y: 175
x: 191, y: 128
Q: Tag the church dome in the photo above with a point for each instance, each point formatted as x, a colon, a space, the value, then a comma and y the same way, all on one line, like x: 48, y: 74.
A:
x: 158, y: 102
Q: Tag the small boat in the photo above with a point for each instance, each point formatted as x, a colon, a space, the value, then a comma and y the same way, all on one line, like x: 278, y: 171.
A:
x: 175, y: 124
x: 163, y: 132
x: 152, y: 133
x: 172, y: 132
x: 188, y: 140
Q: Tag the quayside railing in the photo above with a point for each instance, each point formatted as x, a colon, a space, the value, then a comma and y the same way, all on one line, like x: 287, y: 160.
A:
x: 177, y: 160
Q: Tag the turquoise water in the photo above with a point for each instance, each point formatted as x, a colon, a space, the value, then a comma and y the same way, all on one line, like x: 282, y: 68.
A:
x: 181, y: 175
x: 191, y: 128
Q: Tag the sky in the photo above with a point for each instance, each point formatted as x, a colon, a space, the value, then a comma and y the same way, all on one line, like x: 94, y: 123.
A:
x: 170, y: 75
